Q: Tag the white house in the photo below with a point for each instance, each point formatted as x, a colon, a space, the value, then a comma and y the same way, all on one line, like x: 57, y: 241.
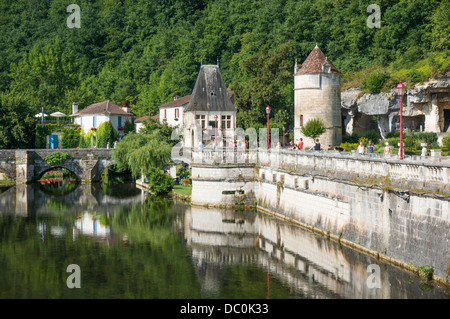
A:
x: 98, y: 113
x: 173, y: 111
x: 138, y: 123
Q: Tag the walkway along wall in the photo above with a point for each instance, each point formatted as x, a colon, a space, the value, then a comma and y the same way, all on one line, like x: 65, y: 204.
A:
x: 337, y: 195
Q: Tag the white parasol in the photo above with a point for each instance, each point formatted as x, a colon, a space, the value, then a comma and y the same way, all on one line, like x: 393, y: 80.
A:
x: 58, y: 114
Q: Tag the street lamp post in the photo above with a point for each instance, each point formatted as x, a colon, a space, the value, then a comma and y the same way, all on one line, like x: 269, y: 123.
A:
x: 268, y: 113
x: 401, y: 91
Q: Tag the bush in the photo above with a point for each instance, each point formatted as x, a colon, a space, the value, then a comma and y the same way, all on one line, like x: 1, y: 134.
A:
x: 353, y: 138
x: 349, y: 146
x: 375, y: 81
x: 70, y: 138
x: 159, y: 182
x: 105, y: 133
x: 56, y: 158
x: 446, y: 141
x: 372, y: 135
x: 128, y: 127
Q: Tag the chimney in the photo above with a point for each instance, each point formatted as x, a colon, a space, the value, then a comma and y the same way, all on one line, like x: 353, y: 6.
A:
x: 74, y: 107
x: 175, y: 97
x: 152, y: 113
x: 126, y: 106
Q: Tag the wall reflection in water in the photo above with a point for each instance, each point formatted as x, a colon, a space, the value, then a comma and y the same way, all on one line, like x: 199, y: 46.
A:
x: 311, y: 265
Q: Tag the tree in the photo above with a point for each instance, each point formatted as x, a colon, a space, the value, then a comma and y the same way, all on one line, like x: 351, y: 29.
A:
x: 159, y: 182
x: 17, y: 129
x: 313, y: 128
x: 140, y: 152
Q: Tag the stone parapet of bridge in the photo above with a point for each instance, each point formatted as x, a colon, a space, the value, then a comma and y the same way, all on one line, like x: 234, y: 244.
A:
x: 24, y: 166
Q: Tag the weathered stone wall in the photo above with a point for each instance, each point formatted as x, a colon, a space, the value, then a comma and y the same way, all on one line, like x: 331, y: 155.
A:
x: 326, y: 191
x: 223, y: 185
x: 408, y: 228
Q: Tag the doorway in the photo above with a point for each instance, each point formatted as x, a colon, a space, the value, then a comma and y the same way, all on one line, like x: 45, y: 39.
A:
x: 446, y: 120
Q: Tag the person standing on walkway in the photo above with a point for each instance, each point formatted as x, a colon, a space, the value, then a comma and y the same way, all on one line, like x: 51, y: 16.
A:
x: 387, y: 150
x: 300, y: 144
x: 370, y: 149
x: 316, y: 145
x: 361, y: 148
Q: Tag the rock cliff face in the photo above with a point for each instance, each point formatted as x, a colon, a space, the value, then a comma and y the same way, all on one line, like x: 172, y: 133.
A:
x: 426, y: 107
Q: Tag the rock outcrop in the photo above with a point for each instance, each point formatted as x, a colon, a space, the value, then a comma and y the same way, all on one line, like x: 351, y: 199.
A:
x: 426, y: 107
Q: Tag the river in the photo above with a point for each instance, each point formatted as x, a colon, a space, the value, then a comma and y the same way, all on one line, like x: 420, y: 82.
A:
x: 130, y: 245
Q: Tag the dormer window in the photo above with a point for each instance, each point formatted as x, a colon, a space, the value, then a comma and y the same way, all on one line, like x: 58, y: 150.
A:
x: 212, y: 99
x: 326, y: 67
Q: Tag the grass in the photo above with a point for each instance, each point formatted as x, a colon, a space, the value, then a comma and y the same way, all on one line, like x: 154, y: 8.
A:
x: 182, y: 190
x: 6, y: 182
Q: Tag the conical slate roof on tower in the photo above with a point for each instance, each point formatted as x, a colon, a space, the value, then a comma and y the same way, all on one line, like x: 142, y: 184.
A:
x: 314, y: 63
x: 210, y: 92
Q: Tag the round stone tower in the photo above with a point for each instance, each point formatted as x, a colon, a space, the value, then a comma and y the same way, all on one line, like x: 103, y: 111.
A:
x: 317, y: 94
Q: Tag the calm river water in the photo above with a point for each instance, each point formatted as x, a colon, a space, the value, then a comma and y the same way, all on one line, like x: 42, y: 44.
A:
x: 128, y: 245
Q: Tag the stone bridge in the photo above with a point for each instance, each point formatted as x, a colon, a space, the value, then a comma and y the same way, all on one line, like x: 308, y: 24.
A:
x: 26, y: 166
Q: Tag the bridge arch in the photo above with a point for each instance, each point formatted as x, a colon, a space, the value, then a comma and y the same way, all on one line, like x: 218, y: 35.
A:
x: 72, y: 167
x: 102, y: 165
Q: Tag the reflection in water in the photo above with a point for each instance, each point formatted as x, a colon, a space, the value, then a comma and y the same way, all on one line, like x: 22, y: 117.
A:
x: 130, y: 246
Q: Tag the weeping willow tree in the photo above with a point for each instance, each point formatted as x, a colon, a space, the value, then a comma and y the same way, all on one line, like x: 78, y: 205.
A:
x: 140, y: 153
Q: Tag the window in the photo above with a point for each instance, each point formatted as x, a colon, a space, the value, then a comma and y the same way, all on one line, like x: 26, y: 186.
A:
x: 226, y: 121
x: 165, y: 113
x: 202, y: 119
x: 177, y: 113
x: 212, y: 99
x: 94, y: 121
x: 301, y: 120
x: 120, y: 121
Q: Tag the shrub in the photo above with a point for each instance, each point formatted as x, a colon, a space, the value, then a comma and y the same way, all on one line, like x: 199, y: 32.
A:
x: 446, y: 141
x: 349, y: 146
x: 353, y: 138
x: 375, y: 81
x: 372, y: 135
x: 70, y: 138
x: 159, y: 182
x: 128, y: 127
x: 56, y: 158
x: 105, y: 133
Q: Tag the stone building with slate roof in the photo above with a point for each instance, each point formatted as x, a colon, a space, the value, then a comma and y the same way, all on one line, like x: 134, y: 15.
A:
x: 95, y: 114
x: 317, y: 94
x: 210, y: 108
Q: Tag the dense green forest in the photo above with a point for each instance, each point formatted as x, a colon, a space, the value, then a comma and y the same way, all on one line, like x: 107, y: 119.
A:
x: 147, y: 51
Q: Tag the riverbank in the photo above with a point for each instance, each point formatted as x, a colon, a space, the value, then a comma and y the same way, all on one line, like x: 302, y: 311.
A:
x: 7, y: 183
